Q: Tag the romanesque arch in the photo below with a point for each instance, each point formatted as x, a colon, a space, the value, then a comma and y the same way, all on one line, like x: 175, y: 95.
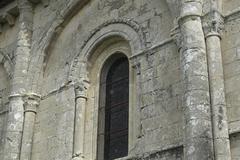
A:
x: 39, y: 49
x: 114, y: 36
x: 125, y: 29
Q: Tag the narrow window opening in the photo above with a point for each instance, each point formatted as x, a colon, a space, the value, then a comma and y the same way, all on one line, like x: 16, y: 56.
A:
x: 116, y: 110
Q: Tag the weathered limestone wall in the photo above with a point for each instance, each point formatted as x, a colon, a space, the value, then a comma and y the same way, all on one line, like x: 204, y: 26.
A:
x: 8, y: 35
x: 4, y: 84
x: 231, y: 56
x: 4, y: 91
x: 235, y: 147
x: 7, y: 49
x: 154, y: 16
x: 229, y: 6
x: 170, y: 96
x: 53, y: 137
x: 160, y: 102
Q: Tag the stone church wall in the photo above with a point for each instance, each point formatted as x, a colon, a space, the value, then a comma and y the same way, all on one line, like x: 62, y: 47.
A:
x: 7, y: 47
x: 161, y: 116
x: 157, y: 70
x: 231, y: 63
x: 4, y: 86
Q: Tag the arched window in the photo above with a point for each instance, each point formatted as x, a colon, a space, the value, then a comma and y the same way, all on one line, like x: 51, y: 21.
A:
x: 115, y: 87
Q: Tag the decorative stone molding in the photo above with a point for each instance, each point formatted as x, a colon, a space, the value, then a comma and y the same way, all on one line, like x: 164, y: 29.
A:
x: 77, y: 71
x: 128, y: 29
x: 31, y: 102
x: 81, y: 89
x: 14, y: 95
x: 213, y: 23
x: 131, y: 23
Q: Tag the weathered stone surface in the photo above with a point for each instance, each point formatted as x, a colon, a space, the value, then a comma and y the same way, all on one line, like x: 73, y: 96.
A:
x: 177, y: 106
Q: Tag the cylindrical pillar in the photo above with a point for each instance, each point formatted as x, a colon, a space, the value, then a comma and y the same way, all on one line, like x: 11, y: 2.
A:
x: 198, y: 143
x: 80, y: 107
x: 14, y: 128
x: 18, y: 86
x: 31, y: 103
x: 217, y: 92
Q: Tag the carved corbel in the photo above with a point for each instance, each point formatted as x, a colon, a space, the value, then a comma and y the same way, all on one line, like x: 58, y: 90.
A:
x: 213, y: 24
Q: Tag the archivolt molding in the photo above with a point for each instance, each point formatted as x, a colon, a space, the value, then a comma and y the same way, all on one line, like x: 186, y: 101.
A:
x: 40, y: 47
x: 62, y: 18
x: 131, y: 23
x: 127, y: 29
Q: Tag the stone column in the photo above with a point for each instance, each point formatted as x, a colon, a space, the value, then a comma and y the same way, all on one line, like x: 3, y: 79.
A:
x: 31, y: 103
x: 213, y: 25
x: 198, y: 143
x: 80, y: 107
x: 18, y: 86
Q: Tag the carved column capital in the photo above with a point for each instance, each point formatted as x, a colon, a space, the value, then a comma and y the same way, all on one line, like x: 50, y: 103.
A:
x: 81, y: 89
x: 31, y: 102
x: 213, y: 24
